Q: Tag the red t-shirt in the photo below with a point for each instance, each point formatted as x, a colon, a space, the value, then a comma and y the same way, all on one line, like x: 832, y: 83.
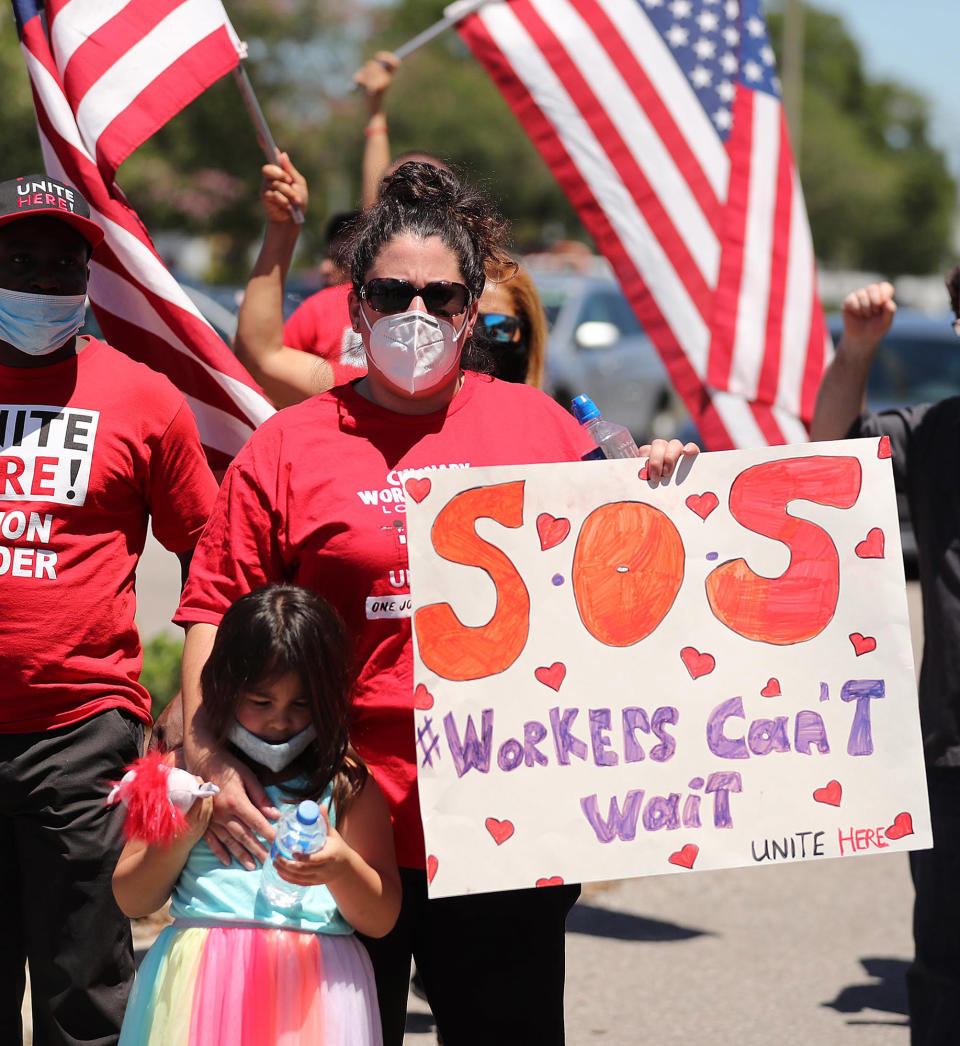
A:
x: 316, y: 498
x: 321, y: 326
x: 90, y: 448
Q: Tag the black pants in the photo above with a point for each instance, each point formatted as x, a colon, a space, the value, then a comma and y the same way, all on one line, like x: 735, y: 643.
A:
x: 59, y: 846
x: 492, y: 964
x: 933, y: 981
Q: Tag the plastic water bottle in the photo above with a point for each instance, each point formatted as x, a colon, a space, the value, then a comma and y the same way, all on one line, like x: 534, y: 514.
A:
x: 613, y: 441
x: 301, y: 830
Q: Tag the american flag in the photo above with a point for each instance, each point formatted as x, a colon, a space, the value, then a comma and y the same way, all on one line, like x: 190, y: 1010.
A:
x: 105, y: 75
x: 662, y: 122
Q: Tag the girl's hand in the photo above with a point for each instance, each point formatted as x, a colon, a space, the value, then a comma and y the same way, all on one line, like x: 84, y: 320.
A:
x: 282, y: 188
x: 323, y: 867
x: 663, y: 457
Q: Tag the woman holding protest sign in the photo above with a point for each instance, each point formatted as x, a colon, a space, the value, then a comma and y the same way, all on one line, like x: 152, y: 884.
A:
x: 316, y: 498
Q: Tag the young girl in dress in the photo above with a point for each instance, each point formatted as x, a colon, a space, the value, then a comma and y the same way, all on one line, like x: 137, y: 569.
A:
x: 231, y: 970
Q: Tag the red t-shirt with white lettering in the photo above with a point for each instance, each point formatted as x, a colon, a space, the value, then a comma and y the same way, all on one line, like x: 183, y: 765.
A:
x: 90, y: 449
x: 315, y: 498
x: 321, y: 326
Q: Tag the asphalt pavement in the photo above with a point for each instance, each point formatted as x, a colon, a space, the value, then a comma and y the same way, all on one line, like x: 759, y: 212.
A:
x: 809, y: 954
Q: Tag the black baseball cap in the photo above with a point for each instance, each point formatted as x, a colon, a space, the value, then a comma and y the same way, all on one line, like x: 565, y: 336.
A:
x: 37, y: 195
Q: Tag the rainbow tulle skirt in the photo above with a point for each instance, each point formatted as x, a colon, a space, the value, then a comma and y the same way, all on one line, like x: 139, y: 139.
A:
x: 253, y: 986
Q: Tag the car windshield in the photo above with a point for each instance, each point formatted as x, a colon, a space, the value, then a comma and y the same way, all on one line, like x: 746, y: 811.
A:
x: 552, y: 299
x: 914, y: 370
x: 599, y: 305
x: 608, y: 305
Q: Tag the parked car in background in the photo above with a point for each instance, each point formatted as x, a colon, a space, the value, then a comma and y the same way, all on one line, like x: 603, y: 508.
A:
x: 917, y: 362
x: 598, y: 347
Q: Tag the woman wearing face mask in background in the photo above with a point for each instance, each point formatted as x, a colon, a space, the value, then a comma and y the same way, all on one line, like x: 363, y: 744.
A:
x: 512, y: 324
x: 316, y: 498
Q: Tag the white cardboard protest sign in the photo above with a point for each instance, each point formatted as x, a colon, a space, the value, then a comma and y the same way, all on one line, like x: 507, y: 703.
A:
x: 617, y: 679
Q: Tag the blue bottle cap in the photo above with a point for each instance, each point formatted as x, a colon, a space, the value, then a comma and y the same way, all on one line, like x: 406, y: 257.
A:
x: 584, y: 409
x: 308, y: 812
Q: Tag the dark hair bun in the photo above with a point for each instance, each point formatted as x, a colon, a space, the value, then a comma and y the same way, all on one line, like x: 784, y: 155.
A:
x: 425, y: 200
x: 416, y: 182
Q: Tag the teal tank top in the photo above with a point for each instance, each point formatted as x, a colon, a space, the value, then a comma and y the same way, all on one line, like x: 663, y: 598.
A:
x: 210, y: 891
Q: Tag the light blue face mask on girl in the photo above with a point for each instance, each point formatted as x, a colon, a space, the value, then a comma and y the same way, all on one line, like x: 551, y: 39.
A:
x: 39, y: 324
x: 273, y: 756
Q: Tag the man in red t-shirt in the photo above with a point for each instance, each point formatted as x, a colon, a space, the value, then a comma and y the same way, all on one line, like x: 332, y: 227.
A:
x: 92, y: 447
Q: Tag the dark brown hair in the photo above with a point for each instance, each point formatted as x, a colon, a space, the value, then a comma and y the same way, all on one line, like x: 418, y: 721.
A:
x: 267, y: 633
x: 953, y: 287
x: 424, y: 200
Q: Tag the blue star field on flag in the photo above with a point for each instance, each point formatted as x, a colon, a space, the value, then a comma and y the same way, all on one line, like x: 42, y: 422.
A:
x: 717, y: 44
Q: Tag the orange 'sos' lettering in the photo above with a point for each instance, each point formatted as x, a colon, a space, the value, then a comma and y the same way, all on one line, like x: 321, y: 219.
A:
x: 800, y: 603
x: 627, y: 571
x: 447, y: 646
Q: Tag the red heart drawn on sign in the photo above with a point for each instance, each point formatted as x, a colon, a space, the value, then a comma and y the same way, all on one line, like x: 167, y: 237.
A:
x: 872, y: 545
x: 643, y: 474
x: 500, y: 830
x: 554, y: 880
x: 418, y: 489
x: 553, y: 675
x: 772, y: 689
x: 862, y: 644
x: 432, y: 864
x: 422, y: 698
x: 551, y: 530
x: 902, y: 825
x: 684, y: 858
x: 702, y: 504
x: 829, y: 794
x: 883, y: 448
x: 697, y: 664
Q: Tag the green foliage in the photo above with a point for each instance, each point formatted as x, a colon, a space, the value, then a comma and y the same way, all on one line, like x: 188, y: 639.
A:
x: 161, y: 670
x: 879, y: 194
x: 18, y: 128
x: 443, y: 103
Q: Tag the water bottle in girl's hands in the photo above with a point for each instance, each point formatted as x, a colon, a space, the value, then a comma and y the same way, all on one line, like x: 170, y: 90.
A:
x: 301, y: 830
x: 613, y: 441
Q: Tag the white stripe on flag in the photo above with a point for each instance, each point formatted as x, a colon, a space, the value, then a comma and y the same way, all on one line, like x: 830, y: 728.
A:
x: 190, y: 23
x: 640, y: 137
x: 57, y: 108
x: 641, y: 245
x: 217, y: 428
x: 77, y: 22
x: 658, y: 63
x: 793, y: 429
x: 797, y: 313
x: 749, y: 347
x: 122, y: 297
x: 738, y: 420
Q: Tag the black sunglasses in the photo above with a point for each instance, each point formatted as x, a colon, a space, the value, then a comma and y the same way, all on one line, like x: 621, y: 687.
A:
x: 441, y: 297
x: 498, y: 327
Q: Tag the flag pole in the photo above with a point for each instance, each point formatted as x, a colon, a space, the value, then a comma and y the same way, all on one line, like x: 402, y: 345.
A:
x: 264, y: 137
x: 452, y: 13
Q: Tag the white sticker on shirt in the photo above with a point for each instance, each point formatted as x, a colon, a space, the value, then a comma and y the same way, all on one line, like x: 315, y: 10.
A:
x: 46, y: 453
x: 388, y: 606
